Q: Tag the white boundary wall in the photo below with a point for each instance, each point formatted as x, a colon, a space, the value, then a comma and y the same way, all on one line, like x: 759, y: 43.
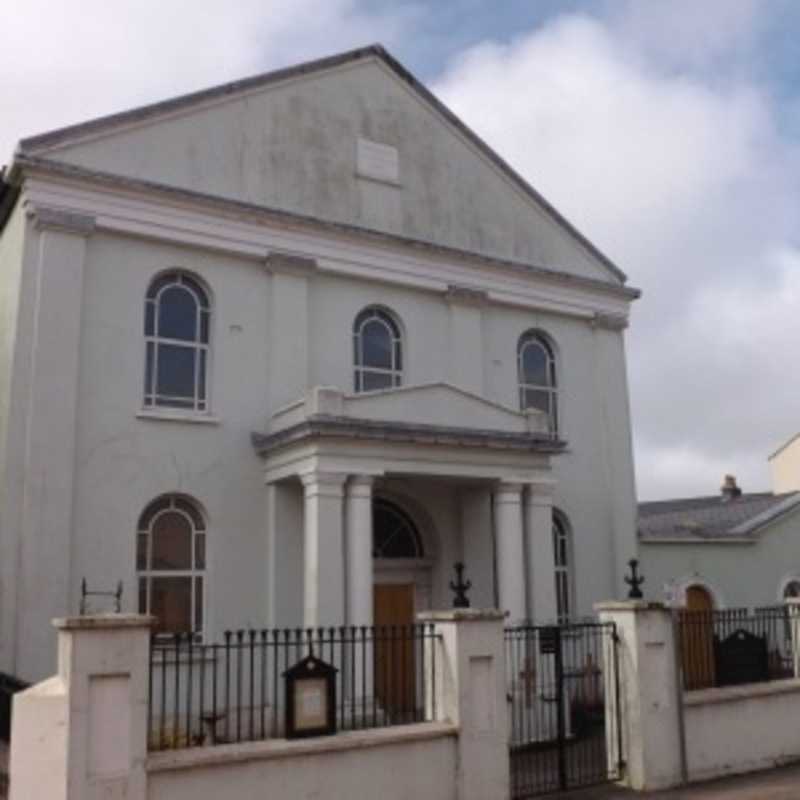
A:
x: 670, y: 736
x: 742, y: 728
x: 82, y: 735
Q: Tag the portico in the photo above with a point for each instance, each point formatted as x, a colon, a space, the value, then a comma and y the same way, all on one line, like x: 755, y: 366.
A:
x: 477, y: 489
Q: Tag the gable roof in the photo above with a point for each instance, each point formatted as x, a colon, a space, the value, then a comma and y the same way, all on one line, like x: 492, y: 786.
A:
x: 709, y: 518
x: 41, y: 144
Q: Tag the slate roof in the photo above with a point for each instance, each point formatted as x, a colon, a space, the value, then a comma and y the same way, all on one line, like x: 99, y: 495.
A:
x: 711, y: 518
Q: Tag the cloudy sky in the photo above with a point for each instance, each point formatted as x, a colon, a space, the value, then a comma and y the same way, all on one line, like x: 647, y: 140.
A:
x: 667, y: 130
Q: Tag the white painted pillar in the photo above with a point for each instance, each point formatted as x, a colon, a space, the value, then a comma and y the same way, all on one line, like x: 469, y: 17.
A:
x: 45, y: 532
x: 323, y: 552
x: 466, y: 684
x: 510, y: 554
x: 358, y: 523
x: 649, y: 696
x: 539, y: 553
x: 288, y: 355
x: 83, y: 733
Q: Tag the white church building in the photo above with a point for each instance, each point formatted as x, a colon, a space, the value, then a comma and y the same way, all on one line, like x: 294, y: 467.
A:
x: 281, y: 352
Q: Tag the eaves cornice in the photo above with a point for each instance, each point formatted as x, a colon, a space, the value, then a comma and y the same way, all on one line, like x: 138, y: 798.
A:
x: 33, y: 166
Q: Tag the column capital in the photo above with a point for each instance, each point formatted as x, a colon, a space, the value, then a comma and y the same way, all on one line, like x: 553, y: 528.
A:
x: 508, y: 492
x: 540, y: 493
x: 327, y: 483
x: 58, y: 219
x: 292, y: 263
x: 360, y: 486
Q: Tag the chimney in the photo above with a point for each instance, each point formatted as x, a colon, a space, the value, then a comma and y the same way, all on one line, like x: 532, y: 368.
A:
x: 730, y: 490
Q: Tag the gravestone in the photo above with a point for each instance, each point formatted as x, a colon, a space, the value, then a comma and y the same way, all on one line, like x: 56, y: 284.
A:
x: 741, y: 657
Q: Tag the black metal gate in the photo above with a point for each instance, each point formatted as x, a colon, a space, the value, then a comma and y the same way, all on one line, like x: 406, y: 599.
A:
x: 563, y: 694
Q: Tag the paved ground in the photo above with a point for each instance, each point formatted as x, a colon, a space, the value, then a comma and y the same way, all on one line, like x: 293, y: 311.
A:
x: 775, y: 784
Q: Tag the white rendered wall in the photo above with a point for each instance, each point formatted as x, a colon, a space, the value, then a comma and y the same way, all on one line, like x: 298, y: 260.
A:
x: 391, y: 771
x: 293, y: 146
x: 11, y: 260
x: 741, y: 728
x: 123, y: 461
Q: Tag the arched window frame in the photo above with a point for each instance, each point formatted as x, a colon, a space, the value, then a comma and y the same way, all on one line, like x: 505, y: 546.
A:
x: 405, y: 525
x: 149, y: 575
x: 564, y: 568
x: 547, y: 391
x: 158, y: 346
x: 366, y: 376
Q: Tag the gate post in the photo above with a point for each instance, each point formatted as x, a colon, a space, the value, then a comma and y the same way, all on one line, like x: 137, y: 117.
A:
x: 83, y: 733
x: 793, y: 612
x: 470, y: 686
x: 647, y: 704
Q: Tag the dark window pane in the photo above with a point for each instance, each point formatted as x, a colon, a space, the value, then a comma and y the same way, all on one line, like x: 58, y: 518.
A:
x: 201, y: 378
x: 398, y: 355
x: 534, y: 366
x: 157, y: 505
x: 198, y: 604
x: 358, y: 386
x: 200, y: 551
x: 393, y: 533
x: 177, y: 314
x: 204, y: 327
x: 191, y: 511
x: 143, y: 596
x: 171, y: 603
x: 141, y: 551
x: 533, y: 398
x: 171, y: 542
x: 149, y: 318
x: 371, y: 381
x: 159, y: 283
x: 148, y: 368
x: 176, y: 366
x: 198, y: 290
x: 376, y: 345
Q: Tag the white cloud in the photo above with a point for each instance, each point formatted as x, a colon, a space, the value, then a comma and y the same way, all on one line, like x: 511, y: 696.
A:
x: 687, y: 183
x: 62, y: 63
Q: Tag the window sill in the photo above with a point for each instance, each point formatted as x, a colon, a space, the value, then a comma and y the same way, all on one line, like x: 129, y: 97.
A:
x: 178, y: 416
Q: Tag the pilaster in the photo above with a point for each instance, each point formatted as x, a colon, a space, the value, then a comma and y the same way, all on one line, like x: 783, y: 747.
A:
x: 48, y: 483
x: 358, y: 541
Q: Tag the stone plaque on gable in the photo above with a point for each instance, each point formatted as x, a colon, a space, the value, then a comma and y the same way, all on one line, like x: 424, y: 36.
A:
x: 380, y: 162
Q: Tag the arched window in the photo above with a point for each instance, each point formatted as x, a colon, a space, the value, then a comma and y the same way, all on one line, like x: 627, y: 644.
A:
x: 394, y: 534
x: 791, y: 589
x: 170, y: 562
x: 377, y: 351
x: 562, y: 550
x: 536, y: 367
x: 176, y: 328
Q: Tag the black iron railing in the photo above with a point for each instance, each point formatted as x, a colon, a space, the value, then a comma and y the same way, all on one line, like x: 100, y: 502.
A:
x: 734, y: 646
x: 233, y: 691
x: 561, y: 711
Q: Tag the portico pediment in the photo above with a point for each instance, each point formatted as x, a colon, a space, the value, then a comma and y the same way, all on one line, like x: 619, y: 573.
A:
x: 438, y: 413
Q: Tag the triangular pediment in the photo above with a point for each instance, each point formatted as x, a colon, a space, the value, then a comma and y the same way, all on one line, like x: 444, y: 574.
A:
x: 352, y: 139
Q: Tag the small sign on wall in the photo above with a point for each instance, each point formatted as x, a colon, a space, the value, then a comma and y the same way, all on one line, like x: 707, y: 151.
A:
x: 310, y: 698
x: 380, y: 162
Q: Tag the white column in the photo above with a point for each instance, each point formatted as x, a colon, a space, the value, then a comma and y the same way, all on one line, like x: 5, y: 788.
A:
x: 510, y: 557
x: 539, y: 554
x: 323, y: 553
x: 358, y: 538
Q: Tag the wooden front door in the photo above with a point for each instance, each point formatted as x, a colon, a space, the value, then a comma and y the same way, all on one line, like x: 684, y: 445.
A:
x: 697, y: 639
x: 395, y: 685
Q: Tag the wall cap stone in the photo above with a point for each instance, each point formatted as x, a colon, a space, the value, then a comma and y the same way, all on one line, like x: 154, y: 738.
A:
x: 630, y: 605
x: 747, y: 691
x: 227, y: 754
x: 462, y: 615
x: 104, y: 622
